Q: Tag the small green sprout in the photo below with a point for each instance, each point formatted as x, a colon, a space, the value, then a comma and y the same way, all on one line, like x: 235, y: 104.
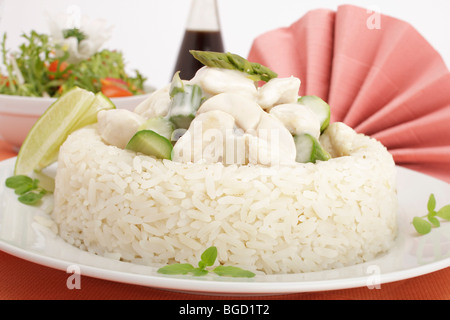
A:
x: 424, y: 224
x: 26, y: 188
x: 208, y: 258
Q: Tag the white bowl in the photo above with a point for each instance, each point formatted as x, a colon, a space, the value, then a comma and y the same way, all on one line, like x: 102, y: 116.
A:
x: 18, y: 114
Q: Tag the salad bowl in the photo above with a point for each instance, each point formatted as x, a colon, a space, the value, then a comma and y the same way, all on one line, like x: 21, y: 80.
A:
x: 47, y: 65
x: 19, y: 113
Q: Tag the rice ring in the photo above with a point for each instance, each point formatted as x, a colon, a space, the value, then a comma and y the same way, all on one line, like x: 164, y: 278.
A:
x: 290, y: 219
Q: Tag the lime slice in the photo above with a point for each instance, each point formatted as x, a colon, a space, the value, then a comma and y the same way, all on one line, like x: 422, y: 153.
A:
x: 72, y: 111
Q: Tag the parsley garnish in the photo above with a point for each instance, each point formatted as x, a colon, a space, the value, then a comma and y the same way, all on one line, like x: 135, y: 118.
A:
x: 208, y: 258
x: 424, y: 224
x: 74, y: 32
x: 26, y: 188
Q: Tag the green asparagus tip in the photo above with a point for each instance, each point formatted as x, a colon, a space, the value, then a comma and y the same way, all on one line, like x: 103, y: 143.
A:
x: 256, y: 71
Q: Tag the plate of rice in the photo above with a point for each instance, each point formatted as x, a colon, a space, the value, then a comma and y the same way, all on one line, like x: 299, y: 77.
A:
x: 258, y: 173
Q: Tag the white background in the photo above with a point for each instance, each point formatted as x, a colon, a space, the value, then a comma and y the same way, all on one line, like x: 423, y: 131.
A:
x: 149, y: 32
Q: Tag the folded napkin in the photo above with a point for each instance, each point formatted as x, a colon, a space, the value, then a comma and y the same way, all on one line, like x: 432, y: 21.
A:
x: 379, y: 75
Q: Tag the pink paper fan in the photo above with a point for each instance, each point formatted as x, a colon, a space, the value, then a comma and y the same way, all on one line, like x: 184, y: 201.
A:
x: 384, y: 80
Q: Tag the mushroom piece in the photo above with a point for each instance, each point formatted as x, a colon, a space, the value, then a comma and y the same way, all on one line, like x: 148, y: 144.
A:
x: 117, y: 126
x: 278, y: 91
x: 297, y: 118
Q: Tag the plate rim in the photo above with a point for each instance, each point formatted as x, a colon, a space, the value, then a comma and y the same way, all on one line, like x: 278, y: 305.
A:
x: 226, y: 287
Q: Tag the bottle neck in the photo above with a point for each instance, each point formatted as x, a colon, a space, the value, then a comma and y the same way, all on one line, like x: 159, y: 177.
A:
x: 203, y: 16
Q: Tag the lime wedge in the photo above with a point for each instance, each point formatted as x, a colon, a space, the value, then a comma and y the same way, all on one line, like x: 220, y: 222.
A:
x: 72, y: 111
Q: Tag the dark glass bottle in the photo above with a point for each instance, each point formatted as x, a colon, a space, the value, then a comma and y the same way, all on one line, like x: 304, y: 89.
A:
x: 203, y: 32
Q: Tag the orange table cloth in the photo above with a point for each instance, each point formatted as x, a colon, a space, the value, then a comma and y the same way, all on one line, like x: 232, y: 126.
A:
x: 24, y: 280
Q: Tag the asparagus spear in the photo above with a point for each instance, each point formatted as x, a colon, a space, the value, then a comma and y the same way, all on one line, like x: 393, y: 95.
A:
x: 232, y: 61
x: 186, y: 99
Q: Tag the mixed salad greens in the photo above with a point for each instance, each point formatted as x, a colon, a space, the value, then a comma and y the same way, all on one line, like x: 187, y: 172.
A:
x: 36, y: 70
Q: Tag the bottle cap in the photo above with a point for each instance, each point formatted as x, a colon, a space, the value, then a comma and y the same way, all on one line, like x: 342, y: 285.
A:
x: 203, y: 16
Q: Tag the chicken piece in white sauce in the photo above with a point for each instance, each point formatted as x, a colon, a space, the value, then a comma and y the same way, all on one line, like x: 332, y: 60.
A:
x: 215, y: 80
x: 246, y: 112
x: 234, y: 122
x: 206, y: 138
x: 338, y: 139
x: 298, y: 119
x: 117, y: 126
x: 277, y: 146
x: 278, y: 91
x: 156, y: 105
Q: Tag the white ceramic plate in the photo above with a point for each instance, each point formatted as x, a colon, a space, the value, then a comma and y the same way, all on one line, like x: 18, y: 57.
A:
x: 411, y: 256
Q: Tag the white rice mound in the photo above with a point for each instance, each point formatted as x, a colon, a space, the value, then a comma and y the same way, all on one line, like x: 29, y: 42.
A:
x: 304, y: 218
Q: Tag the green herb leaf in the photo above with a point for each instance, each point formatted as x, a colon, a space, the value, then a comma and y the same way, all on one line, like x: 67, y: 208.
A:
x: 208, y: 257
x: 431, y: 205
x: 31, y: 198
x: 74, y: 32
x: 444, y: 212
x: 27, y: 188
x: 177, y: 268
x: 17, y: 181
x: 24, y: 189
x: 198, y: 272
x: 434, y: 221
x: 421, y: 225
x: 231, y: 271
